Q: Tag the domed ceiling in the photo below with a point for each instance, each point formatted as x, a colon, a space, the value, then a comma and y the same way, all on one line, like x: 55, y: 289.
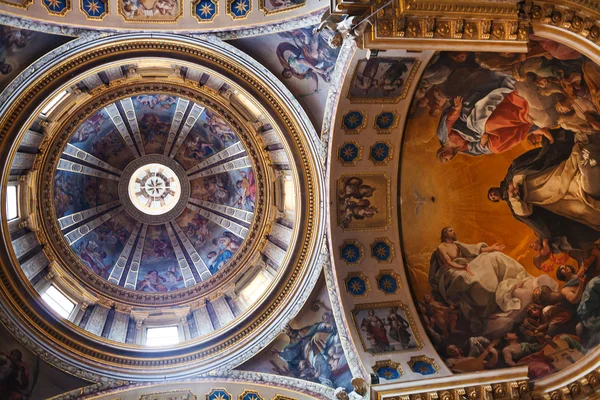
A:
x: 165, y: 210
x: 165, y: 192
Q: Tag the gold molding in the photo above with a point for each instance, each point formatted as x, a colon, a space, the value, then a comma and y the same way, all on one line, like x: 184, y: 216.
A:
x: 51, y: 234
x: 387, y: 305
x: 150, y: 20
x: 19, y: 297
x: 24, y: 4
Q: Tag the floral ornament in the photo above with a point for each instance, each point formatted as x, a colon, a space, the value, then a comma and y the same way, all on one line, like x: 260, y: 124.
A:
x: 357, y: 284
x: 349, y: 153
x: 205, y: 10
x: 57, y: 7
x: 388, y: 370
x: 218, y: 394
x: 386, y: 121
x: 423, y: 365
x: 239, y: 9
x: 353, y: 122
x: 250, y: 395
x: 381, y: 152
x: 351, y: 252
x: 382, y: 250
x: 94, y: 9
x: 388, y: 281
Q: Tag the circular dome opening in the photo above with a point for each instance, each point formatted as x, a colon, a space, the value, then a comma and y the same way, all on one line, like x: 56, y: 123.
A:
x: 154, y: 189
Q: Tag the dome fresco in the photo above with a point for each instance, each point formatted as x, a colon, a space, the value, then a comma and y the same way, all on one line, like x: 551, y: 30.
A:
x: 155, y: 117
x: 500, y: 210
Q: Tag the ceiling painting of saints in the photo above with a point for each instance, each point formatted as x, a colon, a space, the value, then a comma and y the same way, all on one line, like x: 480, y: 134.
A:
x: 501, y: 207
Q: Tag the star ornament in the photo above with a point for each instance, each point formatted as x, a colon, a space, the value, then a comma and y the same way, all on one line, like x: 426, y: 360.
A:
x: 381, y: 251
x: 93, y: 7
x: 356, y: 286
x: 348, y: 152
x: 388, y: 373
x: 380, y: 152
x: 206, y: 9
x: 384, y: 120
x: 240, y: 7
x: 350, y: 254
x: 387, y: 284
x: 54, y: 4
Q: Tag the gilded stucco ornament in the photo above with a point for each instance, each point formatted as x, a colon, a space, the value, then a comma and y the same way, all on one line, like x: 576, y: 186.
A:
x: 283, y: 113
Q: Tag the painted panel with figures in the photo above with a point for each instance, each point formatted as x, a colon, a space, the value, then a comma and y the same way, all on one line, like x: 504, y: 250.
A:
x: 74, y: 192
x: 309, y: 348
x: 302, y: 59
x: 21, y: 47
x: 215, y: 244
x: 235, y: 188
x: 99, y: 136
x: 100, y: 249
x: 363, y: 202
x: 155, y: 114
x: 159, y: 270
x: 208, y: 136
x: 501, y: 207
x: 382, y: 79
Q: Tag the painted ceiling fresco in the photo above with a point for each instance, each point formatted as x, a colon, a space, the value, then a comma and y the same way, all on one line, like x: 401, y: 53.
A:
x: 25, y: 376
x: 309, y: 347
x: 99, y: 141
x: 21, y: 47
x: 500, y: 207
x: 303, y: 60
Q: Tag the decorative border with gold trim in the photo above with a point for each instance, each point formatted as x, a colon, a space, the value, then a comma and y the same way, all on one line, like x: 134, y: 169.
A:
x: 194, y: 4
x: 266, y: 11
x: 24, y: 5
x: 394, y: 275
x: 250, y: 392
x: 150, y: 20
x: 388, y: 197
x: 99, y: 17
x: 151, y: 396
x: 358, y: 155
x: 360, y: 276
x: 394, y: 125
x: 384, y: 305
x: 382, y: 100
x: 415, y: 359
x: 68, y: 343
x: 63, y: 12
x: 59, y: 250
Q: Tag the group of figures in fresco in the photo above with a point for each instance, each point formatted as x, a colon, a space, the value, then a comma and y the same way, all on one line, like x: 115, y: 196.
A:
x: 484, y: 308
x: 307, y: 56
x: 385, y: 330
x: 159, y: 270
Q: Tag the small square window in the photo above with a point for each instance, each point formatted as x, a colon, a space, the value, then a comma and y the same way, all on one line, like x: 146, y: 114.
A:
x: 162, y: 336
x: 12, y: 203
x: 58, y: 301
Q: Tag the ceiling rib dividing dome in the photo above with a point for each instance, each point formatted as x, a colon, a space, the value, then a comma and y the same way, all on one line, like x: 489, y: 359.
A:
x: 184, y: 192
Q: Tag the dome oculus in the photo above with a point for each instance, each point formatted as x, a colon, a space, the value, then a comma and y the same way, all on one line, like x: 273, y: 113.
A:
x: 154, y: 189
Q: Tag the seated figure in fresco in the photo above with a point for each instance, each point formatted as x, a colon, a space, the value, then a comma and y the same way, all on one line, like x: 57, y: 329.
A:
x: 482, y: 355
x: 491, y: 119
x: 555, y: 190
x: 478, y: 279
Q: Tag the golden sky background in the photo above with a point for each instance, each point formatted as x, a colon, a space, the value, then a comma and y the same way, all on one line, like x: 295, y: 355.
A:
x: 460, y: 190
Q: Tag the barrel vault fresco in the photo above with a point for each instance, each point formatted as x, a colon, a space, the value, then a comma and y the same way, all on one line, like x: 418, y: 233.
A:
x: 500, y: 213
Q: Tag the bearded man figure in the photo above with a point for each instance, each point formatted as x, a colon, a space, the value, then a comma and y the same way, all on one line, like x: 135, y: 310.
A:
x: 478, y: 279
